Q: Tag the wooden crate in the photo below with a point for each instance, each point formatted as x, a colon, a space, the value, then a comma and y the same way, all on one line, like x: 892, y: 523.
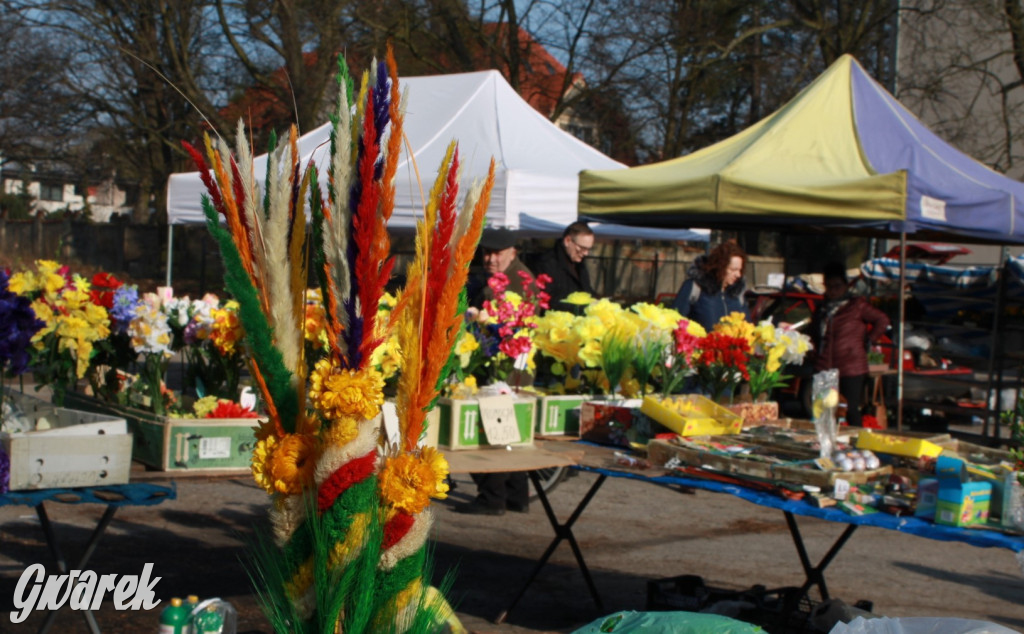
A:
x: 77, y: 449
x: 771, y: 463
x: 214, y: 445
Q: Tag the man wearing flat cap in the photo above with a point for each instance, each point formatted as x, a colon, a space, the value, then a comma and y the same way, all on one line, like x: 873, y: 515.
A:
x: 497, y: 492
x: 498, y: 254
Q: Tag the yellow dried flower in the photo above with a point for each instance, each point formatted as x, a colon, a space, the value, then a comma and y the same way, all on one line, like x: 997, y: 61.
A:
x: 285, y: 465
x: 342, y: 393
x: 408, y: 481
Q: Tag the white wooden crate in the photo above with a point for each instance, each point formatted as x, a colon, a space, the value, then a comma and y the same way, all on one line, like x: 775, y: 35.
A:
x: 75, y: 448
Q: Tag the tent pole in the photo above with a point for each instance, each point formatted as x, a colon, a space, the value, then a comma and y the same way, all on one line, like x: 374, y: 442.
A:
x: 899, y: 346
x: 170, y: 252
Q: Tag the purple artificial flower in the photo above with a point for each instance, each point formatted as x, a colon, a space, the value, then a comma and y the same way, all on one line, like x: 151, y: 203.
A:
x: 122, y: 312
x: 18, y: 323
x: 5, y: 471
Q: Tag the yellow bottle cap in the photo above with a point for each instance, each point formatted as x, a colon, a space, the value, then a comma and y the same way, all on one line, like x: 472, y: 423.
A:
x: 192, y: 598
x: 176, y: 602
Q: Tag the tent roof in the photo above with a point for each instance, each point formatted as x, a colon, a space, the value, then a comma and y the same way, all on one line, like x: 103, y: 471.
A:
x: 537, y: 162
x: 842, y: 152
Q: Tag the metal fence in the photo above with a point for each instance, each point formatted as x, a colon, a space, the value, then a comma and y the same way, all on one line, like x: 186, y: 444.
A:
x: 624, y: 270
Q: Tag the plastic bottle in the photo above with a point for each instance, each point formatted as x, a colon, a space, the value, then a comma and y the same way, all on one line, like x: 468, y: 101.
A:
x: 209, y: 621
x: 190, y: 604
x: 173, y: 618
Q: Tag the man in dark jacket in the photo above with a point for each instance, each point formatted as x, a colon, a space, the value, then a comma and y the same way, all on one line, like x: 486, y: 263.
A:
x: 498, y: 254
x: 564, y: 264
x: 503, y: 491
x: 844, y: 326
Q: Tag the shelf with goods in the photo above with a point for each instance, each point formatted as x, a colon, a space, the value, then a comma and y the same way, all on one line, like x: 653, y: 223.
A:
x: 977, y: 336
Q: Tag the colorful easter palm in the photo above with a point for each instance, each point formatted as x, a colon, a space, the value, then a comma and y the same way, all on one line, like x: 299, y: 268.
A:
x: 349, y: 512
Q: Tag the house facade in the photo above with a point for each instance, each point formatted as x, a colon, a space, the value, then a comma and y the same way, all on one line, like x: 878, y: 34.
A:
x: 51, y: 188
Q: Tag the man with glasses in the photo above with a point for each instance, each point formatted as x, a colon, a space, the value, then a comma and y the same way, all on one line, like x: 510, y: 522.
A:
x: 564, y: 264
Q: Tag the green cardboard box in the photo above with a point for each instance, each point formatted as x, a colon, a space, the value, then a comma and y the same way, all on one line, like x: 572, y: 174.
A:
x: 460, y: 426
x: 559, y: 414
x: 220, y: 445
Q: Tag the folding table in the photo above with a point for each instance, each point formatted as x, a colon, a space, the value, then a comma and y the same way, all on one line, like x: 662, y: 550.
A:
x: 114, y: 497
x: 601, y: 460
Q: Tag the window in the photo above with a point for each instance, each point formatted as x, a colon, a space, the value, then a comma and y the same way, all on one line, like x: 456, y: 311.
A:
x: 582, y: 132
x: 52, y: 192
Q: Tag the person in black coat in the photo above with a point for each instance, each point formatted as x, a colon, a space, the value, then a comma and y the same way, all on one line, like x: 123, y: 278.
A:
x: 565, y: 266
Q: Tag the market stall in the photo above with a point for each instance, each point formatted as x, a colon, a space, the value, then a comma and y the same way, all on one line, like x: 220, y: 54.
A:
x: 843, y: 155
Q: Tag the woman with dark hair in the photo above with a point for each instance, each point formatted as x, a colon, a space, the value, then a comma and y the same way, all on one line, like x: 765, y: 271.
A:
x: 715, y: 286
x: 844, y: 326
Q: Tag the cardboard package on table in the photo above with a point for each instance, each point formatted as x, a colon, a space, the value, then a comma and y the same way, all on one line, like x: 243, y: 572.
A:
x: 163, y: 443
x: 787, y: 464
x: 75, y: 448
x: 616, y: 422
x: 460, y: 424
x: 559, y: 414
x: 692, y: 415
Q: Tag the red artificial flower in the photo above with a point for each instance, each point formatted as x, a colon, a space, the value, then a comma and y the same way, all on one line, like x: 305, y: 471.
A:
x: 230, y: 409
x: 103, y: 287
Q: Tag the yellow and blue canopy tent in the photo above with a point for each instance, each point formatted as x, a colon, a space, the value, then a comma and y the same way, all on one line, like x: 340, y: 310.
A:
x: 842, y: 152
x: 843, y: 155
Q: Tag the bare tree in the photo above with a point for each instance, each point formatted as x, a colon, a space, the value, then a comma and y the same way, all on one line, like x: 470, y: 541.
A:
x: 961, y: 65
x: 140, y: 68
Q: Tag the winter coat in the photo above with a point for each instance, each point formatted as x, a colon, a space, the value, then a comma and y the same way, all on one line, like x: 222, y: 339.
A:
x: 849, y: 332
x: 566, y: 276
x: 713, y: 302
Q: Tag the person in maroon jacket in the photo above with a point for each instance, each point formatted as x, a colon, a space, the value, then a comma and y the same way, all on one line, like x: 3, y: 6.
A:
x: 843, y: 328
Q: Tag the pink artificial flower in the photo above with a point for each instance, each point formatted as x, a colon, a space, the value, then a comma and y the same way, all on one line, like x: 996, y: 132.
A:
x: 515, y: 346
x: 498, y: 283
x: 543, y: 299
x: 542, y: 281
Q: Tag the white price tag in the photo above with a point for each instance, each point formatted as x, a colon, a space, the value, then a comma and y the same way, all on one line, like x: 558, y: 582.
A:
x: 219, y: 447
x: 498, y: 415
x: 840, y: 489
x: 247, y: 398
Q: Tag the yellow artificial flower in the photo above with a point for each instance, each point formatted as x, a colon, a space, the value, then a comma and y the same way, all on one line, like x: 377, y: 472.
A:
x: 606, y: 310
x: 736, y: 325
x: 578, y: 298
x: 465, y: 347
x: 204, y: 406
x: 342, y: 393
x: 227, y: 328
x: 658, y: 316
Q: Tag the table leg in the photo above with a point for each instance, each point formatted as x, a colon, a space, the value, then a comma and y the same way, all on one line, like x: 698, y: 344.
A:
x: 815, y: 574
x: 62, y: 567
x: 562, y: 531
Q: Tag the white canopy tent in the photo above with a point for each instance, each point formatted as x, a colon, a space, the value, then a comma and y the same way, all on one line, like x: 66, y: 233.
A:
x: 538, y: 164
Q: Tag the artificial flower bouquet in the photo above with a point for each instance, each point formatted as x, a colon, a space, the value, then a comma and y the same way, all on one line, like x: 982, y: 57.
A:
x: 73, y: 324
x: 497, y: 344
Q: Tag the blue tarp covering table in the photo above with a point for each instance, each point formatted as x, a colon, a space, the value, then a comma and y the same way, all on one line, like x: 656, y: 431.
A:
x: 113, y: 496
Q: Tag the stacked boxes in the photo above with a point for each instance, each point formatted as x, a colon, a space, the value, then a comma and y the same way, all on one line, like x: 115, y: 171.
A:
x: 959, y: 501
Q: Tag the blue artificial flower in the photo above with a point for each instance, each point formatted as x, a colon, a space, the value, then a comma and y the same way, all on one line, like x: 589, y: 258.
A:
x: 18, y: 323
x: 122, y: 312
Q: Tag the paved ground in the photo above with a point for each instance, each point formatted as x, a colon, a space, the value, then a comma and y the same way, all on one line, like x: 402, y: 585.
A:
x: 631, y: 533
